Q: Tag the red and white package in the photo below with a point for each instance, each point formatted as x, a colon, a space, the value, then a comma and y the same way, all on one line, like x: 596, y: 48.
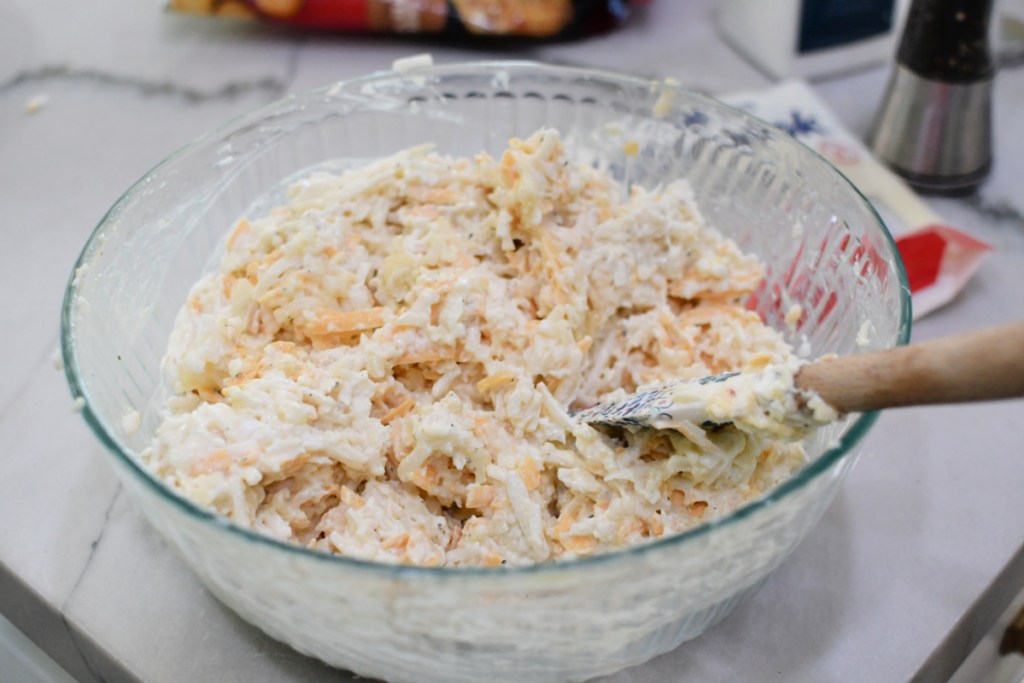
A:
x: 939, y: 258
x: 939, y: 262
x: 452, y: 18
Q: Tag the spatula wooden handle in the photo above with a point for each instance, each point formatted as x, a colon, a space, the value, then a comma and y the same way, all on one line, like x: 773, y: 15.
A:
x: 977, y: 366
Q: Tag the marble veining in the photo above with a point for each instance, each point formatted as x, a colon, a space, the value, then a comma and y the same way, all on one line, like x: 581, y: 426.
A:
x: 73, y: 633
x: 78, y: 649
x: 92, y: 547
x: 269, y: 86
x: 995, y: 210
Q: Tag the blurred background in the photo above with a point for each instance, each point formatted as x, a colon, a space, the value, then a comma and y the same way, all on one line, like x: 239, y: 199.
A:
x: 92, y: 95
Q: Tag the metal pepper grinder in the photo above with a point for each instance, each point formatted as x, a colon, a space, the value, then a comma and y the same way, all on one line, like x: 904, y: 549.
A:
x: 934, y: 127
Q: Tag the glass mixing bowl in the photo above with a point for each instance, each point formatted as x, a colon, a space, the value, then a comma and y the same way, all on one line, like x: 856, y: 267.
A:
x: 823, y: 247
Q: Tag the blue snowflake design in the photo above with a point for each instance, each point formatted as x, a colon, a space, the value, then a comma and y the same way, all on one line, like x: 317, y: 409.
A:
x: 695, y: 118
x: 800, y: 124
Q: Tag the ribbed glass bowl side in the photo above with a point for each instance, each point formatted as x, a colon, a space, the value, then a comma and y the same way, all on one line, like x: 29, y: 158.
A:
x: 824, y: 248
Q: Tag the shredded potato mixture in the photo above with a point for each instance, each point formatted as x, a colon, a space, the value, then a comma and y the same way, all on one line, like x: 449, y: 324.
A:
x: 382, y: 367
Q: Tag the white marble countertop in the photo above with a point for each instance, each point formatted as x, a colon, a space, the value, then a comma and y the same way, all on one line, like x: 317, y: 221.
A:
x: 920, y: 551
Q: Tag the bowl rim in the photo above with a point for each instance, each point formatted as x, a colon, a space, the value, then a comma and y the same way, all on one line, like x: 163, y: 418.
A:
x: 107, y: 436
